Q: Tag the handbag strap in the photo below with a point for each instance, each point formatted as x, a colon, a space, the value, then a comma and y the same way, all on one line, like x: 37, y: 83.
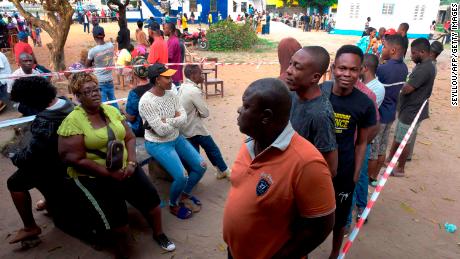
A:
x: 110, y: 135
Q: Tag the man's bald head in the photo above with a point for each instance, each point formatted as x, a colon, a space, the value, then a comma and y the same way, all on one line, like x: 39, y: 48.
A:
x: 272, y: 94
x: 26, y: 61
x: 266, y: 107
x: 320, y: 58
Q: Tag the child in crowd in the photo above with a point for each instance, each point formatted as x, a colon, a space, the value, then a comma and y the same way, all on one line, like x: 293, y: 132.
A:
x: 124, y: 59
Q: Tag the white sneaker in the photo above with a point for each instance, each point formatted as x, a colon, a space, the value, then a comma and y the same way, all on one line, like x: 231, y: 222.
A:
x: 221, y: 175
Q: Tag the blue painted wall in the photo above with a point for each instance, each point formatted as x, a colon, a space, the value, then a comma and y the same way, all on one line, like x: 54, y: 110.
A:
x: 222, y: 8
x: 359, y: 33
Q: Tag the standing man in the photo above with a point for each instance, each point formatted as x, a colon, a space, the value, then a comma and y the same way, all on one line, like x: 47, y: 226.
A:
x: 354, y: 116
x: 402, y: 30
x: 86, y: 20
x: 5, y: 70
x: 102, y: 56
x: 281, y: 202
x: 191, y: 98
x: 413, y: 94
x: 174, y: 52
x: 392, y: 74
x: 159, y: 48
x: 371, y: 87
x: 311, y: 112
x: 435, y: 50
x: 366, y: 26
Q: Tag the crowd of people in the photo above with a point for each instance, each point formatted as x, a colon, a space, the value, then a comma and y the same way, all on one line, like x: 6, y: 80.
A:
x: 312, y: 148
x: 307, y: 21
x: 15, y: 33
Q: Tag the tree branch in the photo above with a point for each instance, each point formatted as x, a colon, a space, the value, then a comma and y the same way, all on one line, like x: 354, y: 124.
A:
x: 38, y: 22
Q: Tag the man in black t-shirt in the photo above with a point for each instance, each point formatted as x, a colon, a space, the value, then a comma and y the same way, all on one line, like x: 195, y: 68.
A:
x: 311, y: 112
x: 402, y: 30
x: 354, y: 114
x: 413, y: 94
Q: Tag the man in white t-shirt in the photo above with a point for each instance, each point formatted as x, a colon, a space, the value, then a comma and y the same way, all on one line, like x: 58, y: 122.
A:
x: 26, y: 63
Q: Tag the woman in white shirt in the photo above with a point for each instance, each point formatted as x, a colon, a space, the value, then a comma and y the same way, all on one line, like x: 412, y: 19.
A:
x: 163, y: 115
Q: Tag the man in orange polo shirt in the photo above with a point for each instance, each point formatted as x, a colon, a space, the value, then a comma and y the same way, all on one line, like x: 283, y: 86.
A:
x: 281, y: 203
x: 159, y: 48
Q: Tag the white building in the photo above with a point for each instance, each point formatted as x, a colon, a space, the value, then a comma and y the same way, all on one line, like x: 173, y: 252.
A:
x: 351, y: 15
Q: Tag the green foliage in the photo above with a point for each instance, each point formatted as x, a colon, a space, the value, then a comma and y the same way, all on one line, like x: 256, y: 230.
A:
x: 317, y: 3
x: 226, y: 35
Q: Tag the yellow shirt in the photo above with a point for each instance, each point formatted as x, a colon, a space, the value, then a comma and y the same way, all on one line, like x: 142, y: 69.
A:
x: 124, y: 58
x: 184, y: 23
x: 77, y: 123
x: 210, y: 18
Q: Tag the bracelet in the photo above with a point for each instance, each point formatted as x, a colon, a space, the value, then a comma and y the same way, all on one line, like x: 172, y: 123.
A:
x: 134, y: 164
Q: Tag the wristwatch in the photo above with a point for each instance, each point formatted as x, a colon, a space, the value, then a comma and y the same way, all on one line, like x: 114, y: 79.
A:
x: 134, y: 164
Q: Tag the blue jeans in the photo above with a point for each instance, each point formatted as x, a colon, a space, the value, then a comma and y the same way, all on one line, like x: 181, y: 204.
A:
x: 169, y: 155
x: 361, y: 191
x: 211, y: 149
x: 86, y: 25
x: 4, y: 96
x: 108, y: 92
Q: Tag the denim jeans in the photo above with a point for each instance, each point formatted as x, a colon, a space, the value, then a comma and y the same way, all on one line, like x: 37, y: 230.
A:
x: 4, y: 96
x: 361, y: 191
x: 211, y: 149
x: 108, y: 92
x: 169, y: 155
x: 86, y: 25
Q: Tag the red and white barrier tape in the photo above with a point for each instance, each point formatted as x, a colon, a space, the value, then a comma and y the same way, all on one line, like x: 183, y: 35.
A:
x: 380, y: 185
x: 258, y: 64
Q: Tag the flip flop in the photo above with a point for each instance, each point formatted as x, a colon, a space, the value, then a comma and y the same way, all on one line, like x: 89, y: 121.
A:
x: 182, y: 213
x: 192, y: 203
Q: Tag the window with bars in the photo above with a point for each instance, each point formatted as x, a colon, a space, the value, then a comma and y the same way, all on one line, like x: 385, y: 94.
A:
x: 213, y: 5
x: 244, y: 7
x: 354, y: 10
x: 387, y: 9
x: 419, y: 12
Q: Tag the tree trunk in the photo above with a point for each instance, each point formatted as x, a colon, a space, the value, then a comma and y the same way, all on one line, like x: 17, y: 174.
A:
x: 122, y: 22
x: 124, y: 37
x: 56, y: 49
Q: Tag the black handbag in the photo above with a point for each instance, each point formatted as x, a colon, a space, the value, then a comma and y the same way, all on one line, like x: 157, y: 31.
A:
x: 115, y: 150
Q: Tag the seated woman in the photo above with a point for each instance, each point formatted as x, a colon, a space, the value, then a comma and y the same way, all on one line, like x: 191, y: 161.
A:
x: 132, y: 104
x: 38, y: 163
x: 83, y: 136
x: 162, y: 111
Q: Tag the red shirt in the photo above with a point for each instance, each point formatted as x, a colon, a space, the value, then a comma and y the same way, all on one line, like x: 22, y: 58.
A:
x: 22, y: 47
x: 158, y: 51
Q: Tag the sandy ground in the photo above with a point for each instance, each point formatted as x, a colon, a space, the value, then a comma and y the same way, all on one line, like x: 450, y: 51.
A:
x: 406, y: 222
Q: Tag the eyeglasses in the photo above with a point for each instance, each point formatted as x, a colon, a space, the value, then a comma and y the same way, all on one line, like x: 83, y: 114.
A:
x: 90, y: 92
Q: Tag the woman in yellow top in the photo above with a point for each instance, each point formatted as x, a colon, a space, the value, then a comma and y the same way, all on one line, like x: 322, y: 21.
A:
x: 184, y: 23
x: 103, y: 192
